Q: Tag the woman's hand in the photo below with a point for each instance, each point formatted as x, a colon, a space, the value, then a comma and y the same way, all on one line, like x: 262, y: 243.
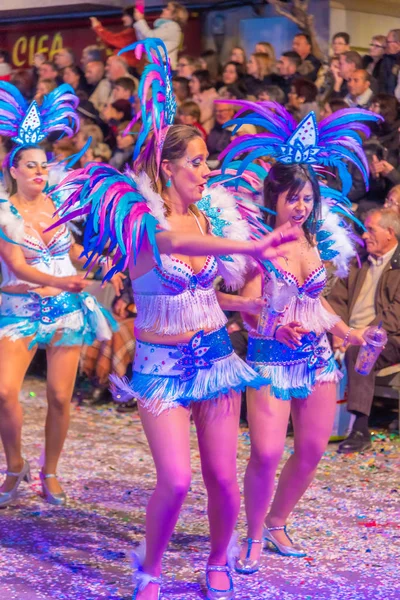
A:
x: 356, y: 337
x: 276, y: 243
x: 73, y: 283
x: 137, y: 15
x: 117, y: 281
x: 290, y: 334
x: 94, y: 22
x: 253, y: 306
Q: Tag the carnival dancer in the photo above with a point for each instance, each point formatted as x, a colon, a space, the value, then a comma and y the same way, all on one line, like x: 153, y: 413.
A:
x: 295, y: 360
x: 36, y: 267
x: 184, y: 361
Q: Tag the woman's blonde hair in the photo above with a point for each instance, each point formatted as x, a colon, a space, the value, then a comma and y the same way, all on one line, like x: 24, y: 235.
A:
x: 264, y: 64
x: 179, y: 13
x: 268, y: 49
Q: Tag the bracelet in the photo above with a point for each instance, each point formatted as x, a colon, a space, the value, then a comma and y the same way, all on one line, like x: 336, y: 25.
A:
x: 277, y: 327
x: 101, y: 261
x: 346, y: 337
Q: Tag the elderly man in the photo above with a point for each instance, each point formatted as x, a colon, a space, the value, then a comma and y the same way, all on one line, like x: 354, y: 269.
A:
x: 359, y: 86
x: 390, y: 67
x: 219, y: 136
x: 370, y: 295
x: 116, y: 68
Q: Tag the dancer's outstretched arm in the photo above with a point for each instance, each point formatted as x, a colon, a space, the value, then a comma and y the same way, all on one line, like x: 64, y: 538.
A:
x: 268, y: 247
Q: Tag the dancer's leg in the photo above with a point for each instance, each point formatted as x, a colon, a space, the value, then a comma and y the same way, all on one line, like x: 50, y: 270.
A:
x: 217, y: 426
x: 268, y: 419
x: 312, y: 422
x: 169, y: 441
x: 15, y: 359
x: 62, y: 367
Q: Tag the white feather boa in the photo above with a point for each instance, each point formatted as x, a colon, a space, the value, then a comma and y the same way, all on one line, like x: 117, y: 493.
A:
x: 234, y: 270
x: 153, y: 199
x: 344, y: 244
x: 10, y: 223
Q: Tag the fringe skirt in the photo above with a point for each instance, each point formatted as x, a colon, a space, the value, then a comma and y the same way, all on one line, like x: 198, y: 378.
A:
x: 293, y: 373
x: 168, y: 376
x: 75, y: 319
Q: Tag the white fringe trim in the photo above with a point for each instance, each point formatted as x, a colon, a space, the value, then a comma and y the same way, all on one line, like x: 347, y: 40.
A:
x: 168, y: 315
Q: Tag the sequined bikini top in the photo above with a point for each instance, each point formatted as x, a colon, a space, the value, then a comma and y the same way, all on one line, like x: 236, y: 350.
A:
x: 313, y: 284
x: 52, y: 258
x: 173, y: 299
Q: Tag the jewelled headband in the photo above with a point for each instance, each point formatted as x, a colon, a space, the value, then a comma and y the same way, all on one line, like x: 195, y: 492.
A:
x: 28, y: 124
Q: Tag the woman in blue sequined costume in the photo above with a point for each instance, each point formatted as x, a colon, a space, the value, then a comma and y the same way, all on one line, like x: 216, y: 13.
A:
x: 40, y: 301
x: 293, y: 355
x: 297, y: 366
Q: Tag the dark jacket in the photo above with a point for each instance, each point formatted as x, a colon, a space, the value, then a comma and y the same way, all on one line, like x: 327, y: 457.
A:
x: 387, y: 298
x: 309, y: 67
x: 218, y: 139
x: 388, y: 73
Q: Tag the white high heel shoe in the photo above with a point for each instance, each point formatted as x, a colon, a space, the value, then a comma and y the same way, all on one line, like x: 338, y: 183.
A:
x: 7, y: 498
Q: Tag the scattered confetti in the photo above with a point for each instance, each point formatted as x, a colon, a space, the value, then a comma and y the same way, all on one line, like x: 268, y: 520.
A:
x: 347, y: 521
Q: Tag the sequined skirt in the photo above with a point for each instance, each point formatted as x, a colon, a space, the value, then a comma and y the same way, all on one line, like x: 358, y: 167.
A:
x: 293, y: 373
x: 168, y: 376
x: 65, y: 320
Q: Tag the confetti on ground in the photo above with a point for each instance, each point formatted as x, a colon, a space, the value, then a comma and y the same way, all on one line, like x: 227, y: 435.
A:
x: 348, y: 521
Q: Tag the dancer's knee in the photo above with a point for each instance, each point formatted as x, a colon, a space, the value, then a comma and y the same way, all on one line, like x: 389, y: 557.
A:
x: 8, y: 395
x: 176, y: 485
x: 266, y: 458
x: 308, y: 454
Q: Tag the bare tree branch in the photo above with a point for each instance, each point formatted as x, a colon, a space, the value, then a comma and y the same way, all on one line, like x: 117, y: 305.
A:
x: 297, y: 12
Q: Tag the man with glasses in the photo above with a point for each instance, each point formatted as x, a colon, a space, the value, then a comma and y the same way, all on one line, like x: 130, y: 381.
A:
x: 368, y: 296
x: 372, y: 62
x: 389, y: 71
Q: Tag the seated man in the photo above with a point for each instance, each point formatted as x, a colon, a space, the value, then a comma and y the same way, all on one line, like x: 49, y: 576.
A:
x: 370, y: 295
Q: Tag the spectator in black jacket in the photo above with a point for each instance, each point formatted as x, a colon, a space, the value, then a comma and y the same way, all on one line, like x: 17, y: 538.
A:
x: 310, y: 64
x: 372, y: 62
x: 288, y: 65
x: 390, y: 66
x: 219, y: 138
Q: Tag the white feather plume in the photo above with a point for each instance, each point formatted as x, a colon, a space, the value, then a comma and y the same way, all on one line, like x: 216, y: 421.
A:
x: 233, y: 272
x: 12, y: 224
x: 153, y: 199
x: 344, y: 244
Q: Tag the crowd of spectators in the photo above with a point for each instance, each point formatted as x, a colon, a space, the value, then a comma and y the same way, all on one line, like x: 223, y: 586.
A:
x: 107, y: 87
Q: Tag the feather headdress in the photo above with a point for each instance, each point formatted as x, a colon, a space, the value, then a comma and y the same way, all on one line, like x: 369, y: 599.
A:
x: 333, y: 143
x: 158, y: 104
x: 28, y: 124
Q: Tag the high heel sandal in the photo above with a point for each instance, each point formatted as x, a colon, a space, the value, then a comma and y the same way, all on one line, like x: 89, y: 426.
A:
x: 24, y: 475
x: 141, y: 578
x: 249, y: 565
x: 59, y: 499
x: 232, y: 555
x: 282, y: 548
x: 215, y: 593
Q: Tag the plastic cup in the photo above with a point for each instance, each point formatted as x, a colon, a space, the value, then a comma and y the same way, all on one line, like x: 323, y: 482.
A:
x: 268, y: 321
x: 376, y: 338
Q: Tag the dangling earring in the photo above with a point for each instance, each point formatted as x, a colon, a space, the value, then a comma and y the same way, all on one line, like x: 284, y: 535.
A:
x: 169, y: 183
